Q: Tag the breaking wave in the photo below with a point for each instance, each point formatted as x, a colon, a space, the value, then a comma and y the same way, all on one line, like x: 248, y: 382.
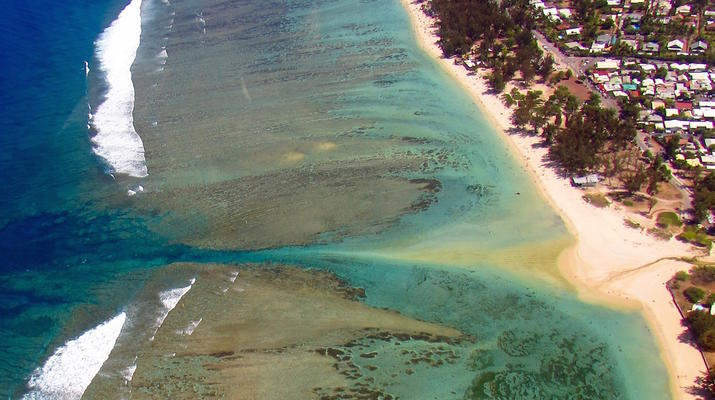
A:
x: 68, y: 372
x: 116, y: 140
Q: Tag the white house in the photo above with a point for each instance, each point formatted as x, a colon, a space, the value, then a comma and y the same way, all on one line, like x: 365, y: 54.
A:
x: 598, y: 47
x: 608, y: 64
x: 699, y: 46
x: 684, y: 9
x: 565, y: 12
x: 675, y: 45
x: 651, y: 47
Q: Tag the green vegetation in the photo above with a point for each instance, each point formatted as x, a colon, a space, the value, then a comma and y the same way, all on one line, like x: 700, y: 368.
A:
x: 632, y: 224
x: 704, y: 273
x: 682, y: 276
x: 660, y: 233
x: 502, y: 34
x: 694, y: 294
x: 697, y: 236
x: 597, y: 199
x: 704, y: 198
x: 703, y: 326
x: 669, y: 218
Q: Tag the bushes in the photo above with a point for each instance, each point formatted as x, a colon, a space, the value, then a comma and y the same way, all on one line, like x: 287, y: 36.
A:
x: 682, y: 276
x: 694, y: 294
x: 703, y: 327
x: 704, y: 273
x: 696, y: 236
x: 669, y: 218
x: 596, y: 199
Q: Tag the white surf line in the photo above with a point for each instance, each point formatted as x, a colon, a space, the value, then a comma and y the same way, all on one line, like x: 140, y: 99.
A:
x: 189, y: 330
x: 169, y: 299
x: 116, y: 140
x: 70, y: 370
x: 128, y: 372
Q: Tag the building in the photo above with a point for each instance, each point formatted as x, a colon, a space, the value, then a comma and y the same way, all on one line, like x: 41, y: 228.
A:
x: 699, y: 46
x: 651, y: 47
x: 675, y: 45
x: 590, y: 180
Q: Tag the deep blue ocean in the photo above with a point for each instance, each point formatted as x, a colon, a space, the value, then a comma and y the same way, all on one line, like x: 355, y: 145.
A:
x: 54, y: 241
x: 74, y: 252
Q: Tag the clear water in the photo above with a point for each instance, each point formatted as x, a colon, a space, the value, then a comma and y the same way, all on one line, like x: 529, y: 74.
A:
x: 286, y: 132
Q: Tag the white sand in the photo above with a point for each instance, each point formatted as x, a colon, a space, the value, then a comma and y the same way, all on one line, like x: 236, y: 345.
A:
x: 606, y: 248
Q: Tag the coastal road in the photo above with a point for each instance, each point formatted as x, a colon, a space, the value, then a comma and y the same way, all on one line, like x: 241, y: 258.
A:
x: 577, y: 65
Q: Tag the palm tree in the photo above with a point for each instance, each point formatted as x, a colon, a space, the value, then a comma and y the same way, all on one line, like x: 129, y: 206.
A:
x: 508, y: 100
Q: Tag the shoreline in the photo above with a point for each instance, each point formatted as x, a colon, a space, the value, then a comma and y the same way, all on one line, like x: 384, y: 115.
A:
x: 609, y: 263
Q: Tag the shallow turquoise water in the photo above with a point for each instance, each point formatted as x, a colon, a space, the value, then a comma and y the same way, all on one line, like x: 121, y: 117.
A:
x: 77, y: 250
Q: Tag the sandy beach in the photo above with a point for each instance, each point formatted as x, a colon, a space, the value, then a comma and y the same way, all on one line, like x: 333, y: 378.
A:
x: 610, y: 262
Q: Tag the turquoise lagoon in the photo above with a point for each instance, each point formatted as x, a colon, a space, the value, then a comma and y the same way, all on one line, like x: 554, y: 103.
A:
x: 314, y: 134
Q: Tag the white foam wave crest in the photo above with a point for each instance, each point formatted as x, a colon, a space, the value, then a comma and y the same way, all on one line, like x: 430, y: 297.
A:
x: 190, y: 328
x: 234, y: 275
x: 68, y: 372
x: 116, y: 140
x: 128, y: 372
x: 169, y: 299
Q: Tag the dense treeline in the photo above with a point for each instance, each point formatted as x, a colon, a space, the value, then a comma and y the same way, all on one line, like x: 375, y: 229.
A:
x: 704, y: 198
x: 703, y: 327
x: 582, y: 137
x: 499, y: 33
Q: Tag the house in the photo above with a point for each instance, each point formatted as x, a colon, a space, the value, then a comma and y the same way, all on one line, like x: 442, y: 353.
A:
x: 683, y: 10
x: 699, y: 76
x: 575, y: 31
x: 605, y: 39
x: 608, y: 65
x: 657, y: 104
x: 651, y: 47
x: 701, y: 124
x: 683, y: 105
x: 675, y: 45
x: 552, y: 13
x: 676, y: 125
x: 705, y: 112
x: 663, y: 7
x: 630, y: 43
x: 699, y: 46
x: 585, y: 181
x: 575, y: 45
x: 598, y: 47
x: 613, y: 3
x: 565, y: 13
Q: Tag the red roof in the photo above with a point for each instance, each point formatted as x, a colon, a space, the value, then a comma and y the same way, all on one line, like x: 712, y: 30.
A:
x: 683, y: 105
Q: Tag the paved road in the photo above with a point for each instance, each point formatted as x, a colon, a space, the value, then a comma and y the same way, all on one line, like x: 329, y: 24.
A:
x: 576, y: 64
